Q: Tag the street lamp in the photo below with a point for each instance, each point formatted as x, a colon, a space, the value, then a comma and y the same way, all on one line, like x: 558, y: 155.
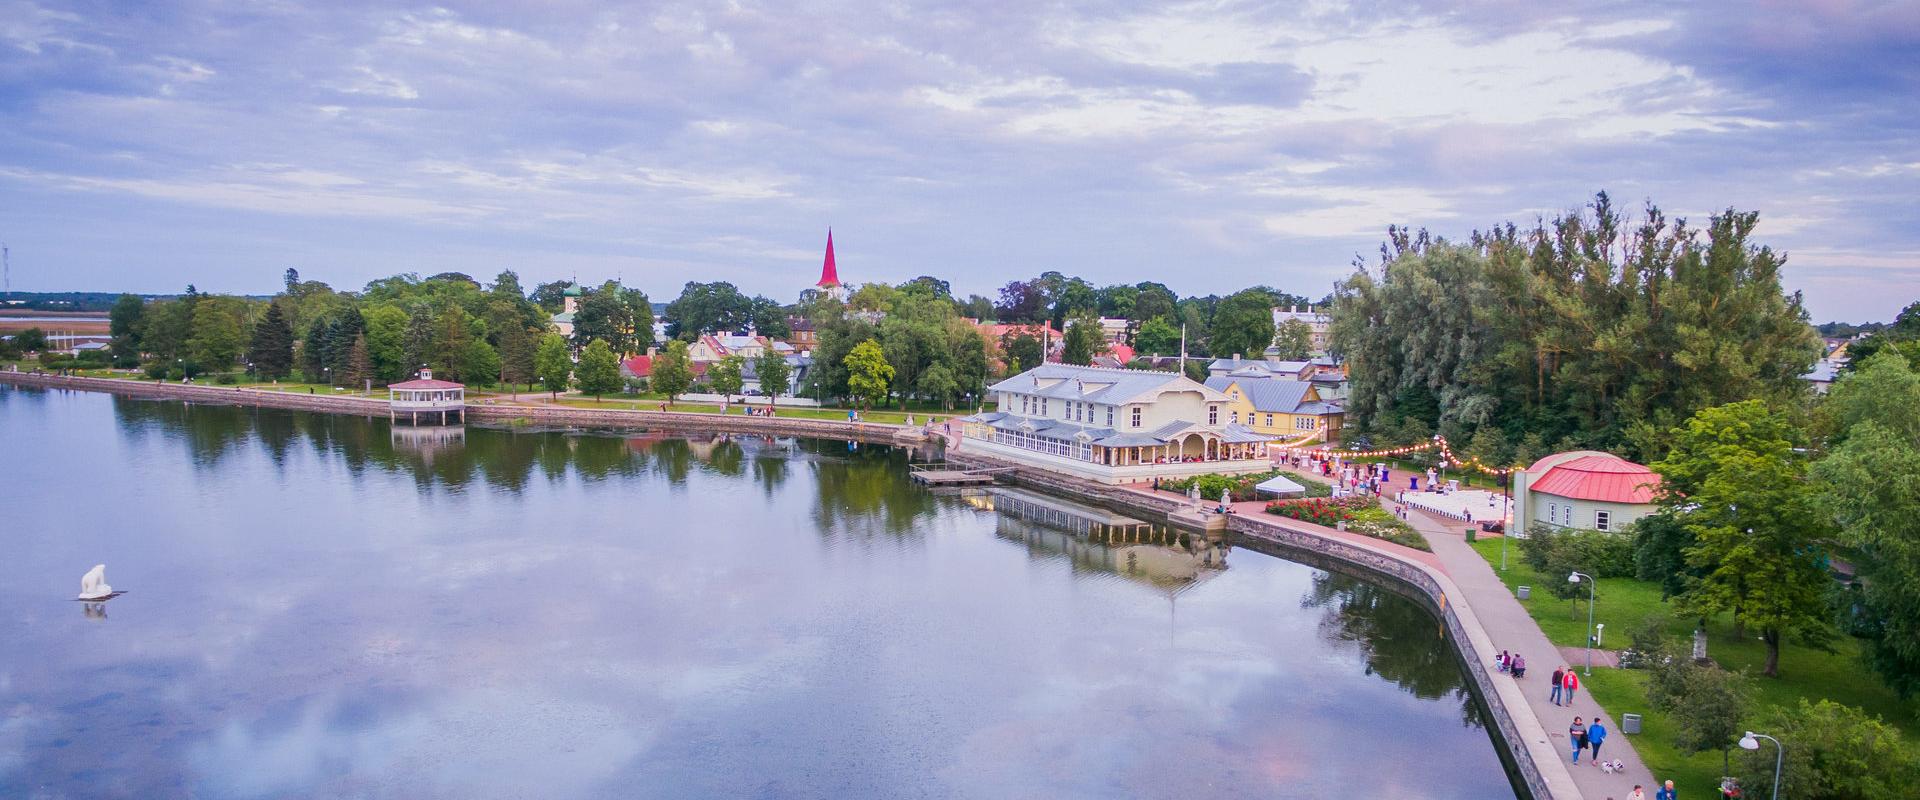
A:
x: 1751, y: 741
x: 1575, y: 578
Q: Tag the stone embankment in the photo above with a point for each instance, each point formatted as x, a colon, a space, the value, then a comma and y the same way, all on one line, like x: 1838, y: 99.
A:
x: 1525, y: 740
x: 492, y: 413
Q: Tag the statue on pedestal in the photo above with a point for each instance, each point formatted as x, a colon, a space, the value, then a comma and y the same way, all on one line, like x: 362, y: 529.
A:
x: 93, y: 585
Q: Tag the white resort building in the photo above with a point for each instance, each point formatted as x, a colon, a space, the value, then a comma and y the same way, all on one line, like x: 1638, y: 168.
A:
x: 1114, y: 425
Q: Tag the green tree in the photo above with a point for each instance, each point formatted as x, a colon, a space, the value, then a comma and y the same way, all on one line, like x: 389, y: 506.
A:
x: 125, y: 322
x: 416, y: 344
x: 1735, y: 479
x: 218, y: 337
x: 868, y: 373
x: 313, y: 352
x: 479, y: 363
x: 1084, y: 340
x: 937, y: 383
x: 725, y: 376
x: 451, y: 333
x: 359, y: 367
x: 599, y: 371
x: 1294, y: 340
x: 1870, y: 485
x: 1707, y: 704
x: 774, y: 374
x: 604, y: 315
x: 1157, y: 337
x: 270, y: 355
x: 387, y: 342
x: 707, y: 308
x: 672, y: 372
x: 1832, y: 752
x: 517, y: 356
x: 1024, y: 352
x: 1243, y: 325
x: 553, y: 363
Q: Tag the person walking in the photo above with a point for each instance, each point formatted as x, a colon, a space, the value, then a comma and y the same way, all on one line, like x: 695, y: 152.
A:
x: 1666, y: 793
x: 1559, y: 677
x: 1596, y: 736
x: 1572, y: 683
x: 1577, y: 738
x: 1637, y: 793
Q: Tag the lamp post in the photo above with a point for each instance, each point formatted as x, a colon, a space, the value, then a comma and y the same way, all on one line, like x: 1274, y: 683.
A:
x: 1506, y: 517
x: 1751, y: 741
x: 1575, y: 578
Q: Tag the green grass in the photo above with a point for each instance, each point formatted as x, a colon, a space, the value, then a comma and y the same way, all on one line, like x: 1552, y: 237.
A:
x: 1624, y: 603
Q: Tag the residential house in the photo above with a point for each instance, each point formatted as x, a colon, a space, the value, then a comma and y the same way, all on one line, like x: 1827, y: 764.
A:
x: 1238, y: 367
x: 1317, y: 321
x: 1280, y: 407
x: 1584, y: 489
x: 1113, y: 425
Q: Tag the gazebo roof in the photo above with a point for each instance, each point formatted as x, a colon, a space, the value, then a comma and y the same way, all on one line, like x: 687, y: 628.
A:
x: 426, y: 384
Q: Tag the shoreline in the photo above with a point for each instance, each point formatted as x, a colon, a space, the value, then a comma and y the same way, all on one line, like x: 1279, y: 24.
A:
x: 487, y: 413
x: 1521, y: 737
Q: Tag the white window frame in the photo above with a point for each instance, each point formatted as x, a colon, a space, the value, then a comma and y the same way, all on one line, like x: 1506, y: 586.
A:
x: 1136, y: 416
x: 1603, y: 520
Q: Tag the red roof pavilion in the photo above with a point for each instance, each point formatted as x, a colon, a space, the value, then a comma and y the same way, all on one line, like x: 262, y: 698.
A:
x: 1603, y: 478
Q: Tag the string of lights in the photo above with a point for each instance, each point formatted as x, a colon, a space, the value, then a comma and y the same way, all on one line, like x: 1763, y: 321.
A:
x: 1447, y: 458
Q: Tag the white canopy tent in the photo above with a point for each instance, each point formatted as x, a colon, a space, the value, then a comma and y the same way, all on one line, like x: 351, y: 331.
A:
x: 1280, y: 486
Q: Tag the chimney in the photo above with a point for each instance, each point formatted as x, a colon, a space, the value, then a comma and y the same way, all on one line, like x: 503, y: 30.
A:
x: 1236, y: 356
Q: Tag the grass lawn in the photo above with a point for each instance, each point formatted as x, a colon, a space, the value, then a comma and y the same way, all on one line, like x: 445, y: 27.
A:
x: 1623, y: 604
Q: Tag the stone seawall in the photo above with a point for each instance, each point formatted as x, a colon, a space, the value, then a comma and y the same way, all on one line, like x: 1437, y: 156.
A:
x: 1524, y: 742
x: 488, y: 413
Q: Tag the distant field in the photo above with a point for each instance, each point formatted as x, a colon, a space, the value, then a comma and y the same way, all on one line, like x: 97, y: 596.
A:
x: 14, y: 321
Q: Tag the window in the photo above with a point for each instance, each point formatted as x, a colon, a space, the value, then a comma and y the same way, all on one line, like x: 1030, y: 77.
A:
x: 1269, y: 420
x: 1602, y: 521
x: 1213, y: 415
x: 1043, y: 406
x: 1303, y: 423
x: 1109, y: 416
x: 1233, y: 416
x: 1136, y: 416
x: 1553, y: 512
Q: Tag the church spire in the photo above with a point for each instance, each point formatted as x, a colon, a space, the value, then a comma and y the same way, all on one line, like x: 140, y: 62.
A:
x: 829, y: 275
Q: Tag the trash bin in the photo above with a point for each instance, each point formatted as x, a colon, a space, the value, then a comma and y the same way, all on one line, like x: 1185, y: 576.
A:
x: 1525, y: 592
x: 1471, y: 534
x: 1629, y: 723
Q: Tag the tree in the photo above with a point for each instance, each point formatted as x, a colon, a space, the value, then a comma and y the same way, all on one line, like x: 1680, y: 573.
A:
x: 270, y: 354
x: 451, y: 333
x: 387, y: 342
x: 359, y: 369
x: 218, y: 338
x: 1870, y: 485
x: 599, y: 371
x: 604, y: 315
x: 1153, y: 302
x: 479, y: 362
x: 707, y: 308
x: 1156, y: 337
x: 416, y: 344
x: 1024, y: 352
x: 551, y: 296
x: 868, y: 373
x: 725, y: 376
x: 125, y: 322
x: 1242, y: 325
x: 1294, y: 339
x: 1833, y: 752
x: 1707, y: 704
x: 517, y: 366
x: 937, y: 382
x: 672, y: 372
x: 1084, y: 340
x: 313, y: 352
x: 553, y: 364
x: 1021, y: 301
x: 1735, y: 479
x: 774, y: 374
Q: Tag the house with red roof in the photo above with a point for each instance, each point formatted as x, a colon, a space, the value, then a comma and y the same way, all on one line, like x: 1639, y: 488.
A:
x: 1584, y: 490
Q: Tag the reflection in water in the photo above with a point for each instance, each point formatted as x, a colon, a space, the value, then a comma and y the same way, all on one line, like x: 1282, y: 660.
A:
x: 329, y: 608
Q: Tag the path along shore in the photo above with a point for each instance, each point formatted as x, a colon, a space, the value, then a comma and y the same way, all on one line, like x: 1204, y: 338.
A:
x: 1478, y: 612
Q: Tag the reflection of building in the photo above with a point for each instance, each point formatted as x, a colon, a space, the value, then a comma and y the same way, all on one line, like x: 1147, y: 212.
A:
x: 1099, y: 540
x: 427, y: 440
x: 1114, y: 425
x: 1583, y: 489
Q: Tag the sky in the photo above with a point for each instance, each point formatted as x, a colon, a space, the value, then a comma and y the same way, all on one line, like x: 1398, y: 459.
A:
x: 1209, y: 146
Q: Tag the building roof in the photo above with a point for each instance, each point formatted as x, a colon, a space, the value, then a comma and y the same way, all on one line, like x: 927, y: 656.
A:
x: 1063, y: 430
x: 638, y: 366
x: 1823, y: 371
x: 1100, y: 384
x: 426, y: 383
x: 1275, y: 395
x: 1257, y: 366
x: 562, y: 317
x: 572, y: 290
x: 1598, y: 476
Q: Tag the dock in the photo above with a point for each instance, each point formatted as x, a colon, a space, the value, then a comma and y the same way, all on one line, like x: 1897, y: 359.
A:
x: 941, y: 475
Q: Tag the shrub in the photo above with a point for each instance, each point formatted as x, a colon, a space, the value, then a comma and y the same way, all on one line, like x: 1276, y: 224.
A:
x: 1557, y: 552
x: 1240, y: 487
x: 1833, y: 751
x: 226, y: 378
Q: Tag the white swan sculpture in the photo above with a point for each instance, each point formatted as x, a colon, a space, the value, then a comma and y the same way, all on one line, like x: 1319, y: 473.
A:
x: 93, y: 585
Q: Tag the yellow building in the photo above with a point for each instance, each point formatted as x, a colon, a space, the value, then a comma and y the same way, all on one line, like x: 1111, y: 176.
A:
x: 1286, y: 408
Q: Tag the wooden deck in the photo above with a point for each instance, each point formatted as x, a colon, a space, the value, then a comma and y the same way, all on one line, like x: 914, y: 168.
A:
x: 939, y: 475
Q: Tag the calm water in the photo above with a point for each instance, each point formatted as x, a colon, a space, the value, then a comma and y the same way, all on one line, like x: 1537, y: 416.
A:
x: 316, y: 608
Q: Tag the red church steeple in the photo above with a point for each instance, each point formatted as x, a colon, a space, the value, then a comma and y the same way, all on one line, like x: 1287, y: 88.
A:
x: 829, y: 275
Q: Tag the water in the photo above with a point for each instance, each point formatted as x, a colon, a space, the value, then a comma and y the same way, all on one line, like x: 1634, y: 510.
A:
x: 317, y: 609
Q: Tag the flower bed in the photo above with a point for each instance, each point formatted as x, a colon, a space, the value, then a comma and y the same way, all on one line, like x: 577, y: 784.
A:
x: 1240, y: 487
x: 1362, y: 514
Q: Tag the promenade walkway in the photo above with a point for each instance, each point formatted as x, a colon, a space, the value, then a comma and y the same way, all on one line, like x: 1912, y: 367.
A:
x: 1508, y: 624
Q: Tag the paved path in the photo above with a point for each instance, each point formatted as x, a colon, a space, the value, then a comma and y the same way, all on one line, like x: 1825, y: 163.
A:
x: 1507, y: 623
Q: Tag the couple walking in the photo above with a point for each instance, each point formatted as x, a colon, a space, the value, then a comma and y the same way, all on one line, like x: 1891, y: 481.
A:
x: 1564, y: 683
x: 1583, y: 737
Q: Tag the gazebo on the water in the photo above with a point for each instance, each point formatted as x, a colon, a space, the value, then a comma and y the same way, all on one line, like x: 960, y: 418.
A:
x: 438, y: 399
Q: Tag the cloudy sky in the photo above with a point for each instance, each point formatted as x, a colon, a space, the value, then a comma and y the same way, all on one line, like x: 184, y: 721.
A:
x: 1207, y: 145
